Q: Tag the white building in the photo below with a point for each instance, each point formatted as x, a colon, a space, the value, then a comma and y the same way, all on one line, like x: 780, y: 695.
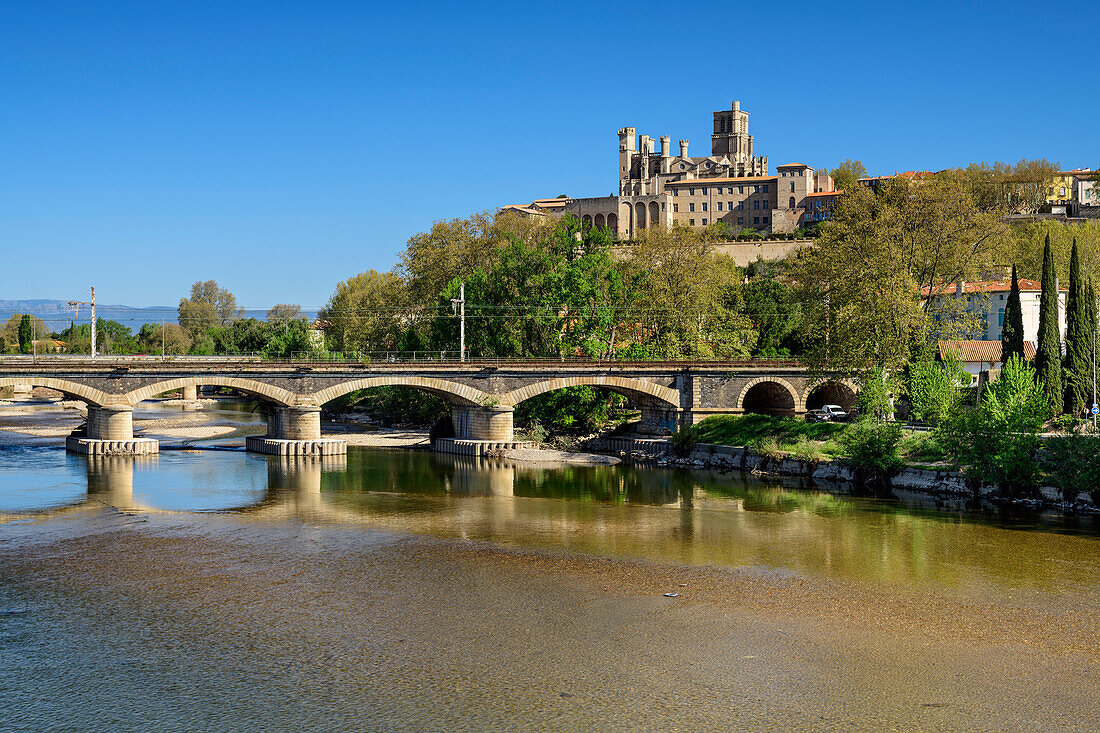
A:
x: 988, y: 299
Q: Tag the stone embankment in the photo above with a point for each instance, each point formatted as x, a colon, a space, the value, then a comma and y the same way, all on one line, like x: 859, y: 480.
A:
x: 932, y: 482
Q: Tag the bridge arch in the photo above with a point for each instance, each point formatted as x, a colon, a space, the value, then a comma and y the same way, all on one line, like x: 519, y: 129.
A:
x: 623, y: 385
x: 841, y: 392
x: 253, y: 387
x: 769, y: 395
x: 74, y: 389
x: 452, y: 392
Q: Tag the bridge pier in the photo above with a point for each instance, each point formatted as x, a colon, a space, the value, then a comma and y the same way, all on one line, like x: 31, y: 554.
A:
x: 110, y: 431
x: 659, y: 420
x: 295, y: 431
x: 22, y: 392
x: 489, y: 423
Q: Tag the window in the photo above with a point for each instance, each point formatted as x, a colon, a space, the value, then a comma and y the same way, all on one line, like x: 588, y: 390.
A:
x: 790, y: 204
x: 766, y: 204
x: 704, y: 222
x: 662, y: 206
x: 704, y: 191
x: 756, y: 189
x: 729, y: 206
x: 704, y: 206
x: 756, y: 204
x: 792, y: 186
x: 676, y: 192
x: 691, y: 207
x: 676, y: 208
x: 692, y: 221
x: 756, y: 220
x: 765, y: 188
x: 1000, y: 317
x: 719, y: 205
x: 765, y: 220
x: 691, y: 192
x: 1063, y: 191
x: 740, y: 205
x: 740, y: 220
x: 740, y: 189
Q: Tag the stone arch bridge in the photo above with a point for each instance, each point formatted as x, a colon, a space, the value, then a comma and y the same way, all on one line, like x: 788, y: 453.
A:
x: 482, y: 394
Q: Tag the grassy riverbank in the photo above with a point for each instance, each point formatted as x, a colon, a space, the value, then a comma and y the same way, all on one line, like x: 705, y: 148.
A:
x: 788, y: 436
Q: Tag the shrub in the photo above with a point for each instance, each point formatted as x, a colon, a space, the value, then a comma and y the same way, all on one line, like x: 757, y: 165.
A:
x: 808, y: 450
x: 683, y: 439
x: 871, y: 448
x: 769, y: 447
x: 922, y: 447
x: 997, y: 440
x: 1070, y: 464
x: 934, y: 389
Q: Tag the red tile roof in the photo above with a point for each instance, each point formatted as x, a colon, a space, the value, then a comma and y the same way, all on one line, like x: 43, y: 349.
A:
x: 987, y: 351
x: 824, y: 193
x: 792, y: 165
x: 986, y: 286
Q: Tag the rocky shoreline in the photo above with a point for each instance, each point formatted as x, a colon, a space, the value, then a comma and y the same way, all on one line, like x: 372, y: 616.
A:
x: 937, y: 483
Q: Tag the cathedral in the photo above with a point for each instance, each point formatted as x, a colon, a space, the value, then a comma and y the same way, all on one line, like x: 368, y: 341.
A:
x: 731, y: 185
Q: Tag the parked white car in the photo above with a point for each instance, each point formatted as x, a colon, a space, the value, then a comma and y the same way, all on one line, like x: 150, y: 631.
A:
x: 828, y: 413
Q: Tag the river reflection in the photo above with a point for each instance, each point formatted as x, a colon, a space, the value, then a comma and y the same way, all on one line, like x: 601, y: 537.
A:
x: 689, y: 517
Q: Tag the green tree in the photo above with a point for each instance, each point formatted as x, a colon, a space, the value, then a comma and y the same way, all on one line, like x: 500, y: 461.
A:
x: 1078, y: 361
x: 284, y: 312
x: 26, y: 334
x: 1048, y: 352
x: 112, y: 337
x: 775, y: 314
x: 9, y: 334
x: 152, y: 337
x: 1012, y: 331
x: 933, y: 389
x: 209, y: 305
x: 368, y: 312
x: 997, y: 440
x: 847, y: 174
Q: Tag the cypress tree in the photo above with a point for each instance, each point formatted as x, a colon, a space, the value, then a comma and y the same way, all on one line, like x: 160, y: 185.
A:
x: 1048, y: 352
x: 1091, y: 335
x: 1078, y: 364
x: 26, y: 334
x: 1012, y: 331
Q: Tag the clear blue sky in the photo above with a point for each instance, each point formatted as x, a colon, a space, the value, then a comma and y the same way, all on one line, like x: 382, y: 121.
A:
x: 280, y: 147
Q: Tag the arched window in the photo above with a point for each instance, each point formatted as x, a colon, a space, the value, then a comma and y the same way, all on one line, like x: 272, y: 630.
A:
x: 791, y: 206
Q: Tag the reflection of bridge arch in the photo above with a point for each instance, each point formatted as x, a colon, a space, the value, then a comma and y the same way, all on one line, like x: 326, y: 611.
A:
x: 453, y: 392
x: 252, y: 387
x: 74, y: 389
x: 631, y: 387
x: 769, y: 394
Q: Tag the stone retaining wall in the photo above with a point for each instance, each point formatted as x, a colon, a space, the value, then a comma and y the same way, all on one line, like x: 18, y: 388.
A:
x: 918, y: 480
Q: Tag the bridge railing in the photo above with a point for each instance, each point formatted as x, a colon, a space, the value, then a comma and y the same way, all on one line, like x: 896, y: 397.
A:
x: 362, y: 359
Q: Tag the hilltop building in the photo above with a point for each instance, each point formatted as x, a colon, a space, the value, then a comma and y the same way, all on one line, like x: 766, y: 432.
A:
x: 731, y: 185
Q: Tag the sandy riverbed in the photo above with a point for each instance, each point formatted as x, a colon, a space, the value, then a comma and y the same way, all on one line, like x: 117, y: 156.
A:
x: 256, y: 624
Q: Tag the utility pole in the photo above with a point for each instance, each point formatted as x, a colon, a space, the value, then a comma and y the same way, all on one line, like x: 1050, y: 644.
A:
x: 162, y: 338
x: 75, y: 305
x: 460, y: 304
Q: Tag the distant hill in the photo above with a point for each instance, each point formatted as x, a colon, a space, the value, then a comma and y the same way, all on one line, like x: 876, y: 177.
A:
x: 58, y: 314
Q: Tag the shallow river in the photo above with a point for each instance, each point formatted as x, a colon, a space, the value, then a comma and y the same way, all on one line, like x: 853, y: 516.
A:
x: 219, y: 590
